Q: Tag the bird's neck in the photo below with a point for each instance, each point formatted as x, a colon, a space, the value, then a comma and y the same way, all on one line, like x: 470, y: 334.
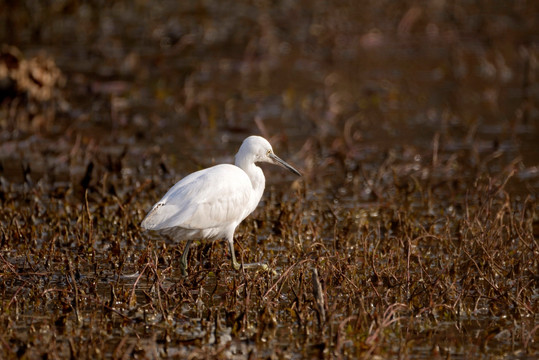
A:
x: 255, y: 174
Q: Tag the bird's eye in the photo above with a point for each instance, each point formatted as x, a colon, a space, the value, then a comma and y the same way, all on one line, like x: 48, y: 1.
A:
x: 268, y: 153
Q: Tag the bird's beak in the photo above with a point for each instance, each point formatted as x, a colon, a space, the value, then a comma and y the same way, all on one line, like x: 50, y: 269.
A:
x: 278, y: 161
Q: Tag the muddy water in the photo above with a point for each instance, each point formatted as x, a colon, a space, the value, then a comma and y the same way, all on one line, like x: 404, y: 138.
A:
x: 386, y: 108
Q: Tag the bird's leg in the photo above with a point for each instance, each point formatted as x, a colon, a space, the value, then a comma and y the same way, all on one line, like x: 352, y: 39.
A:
x: 260, y: 265
x: 183, y: 259
x: 237, y: 265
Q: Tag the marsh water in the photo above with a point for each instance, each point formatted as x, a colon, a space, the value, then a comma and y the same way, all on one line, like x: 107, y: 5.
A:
x: 414, y: 124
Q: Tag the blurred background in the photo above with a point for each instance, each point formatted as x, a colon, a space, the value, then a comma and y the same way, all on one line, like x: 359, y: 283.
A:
x: 332, y: 85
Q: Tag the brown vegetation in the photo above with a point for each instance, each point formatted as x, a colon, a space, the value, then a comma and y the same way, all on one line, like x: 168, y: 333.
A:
x: 413, y: 232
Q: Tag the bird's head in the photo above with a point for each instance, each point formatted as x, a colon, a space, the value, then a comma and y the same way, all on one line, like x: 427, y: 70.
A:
x: 257, y: 149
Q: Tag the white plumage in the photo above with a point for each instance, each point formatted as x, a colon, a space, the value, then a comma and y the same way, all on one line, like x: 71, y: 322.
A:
x: 211, y: 203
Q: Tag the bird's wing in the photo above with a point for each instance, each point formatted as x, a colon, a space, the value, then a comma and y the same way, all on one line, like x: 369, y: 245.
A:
x: 205, y: 199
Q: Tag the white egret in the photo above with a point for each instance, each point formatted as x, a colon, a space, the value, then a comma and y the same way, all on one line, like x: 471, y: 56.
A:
x: 211, y: 203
